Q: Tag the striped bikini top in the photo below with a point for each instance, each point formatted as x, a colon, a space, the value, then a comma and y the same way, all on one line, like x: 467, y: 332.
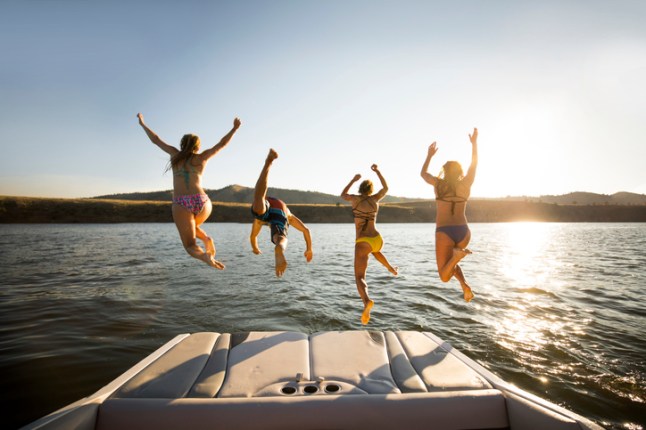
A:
x: 450, y: 196
x: 366, y: 215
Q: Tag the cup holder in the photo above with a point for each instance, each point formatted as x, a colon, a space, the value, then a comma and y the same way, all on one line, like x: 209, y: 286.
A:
x: 332, y: 388
x: 310, y: 389
x: 288, y: 390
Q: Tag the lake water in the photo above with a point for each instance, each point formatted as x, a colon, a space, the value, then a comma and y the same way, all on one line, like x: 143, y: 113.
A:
x: 559, y: 308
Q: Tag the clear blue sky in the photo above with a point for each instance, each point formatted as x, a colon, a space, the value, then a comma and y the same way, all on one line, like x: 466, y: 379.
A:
x: 557, y: 90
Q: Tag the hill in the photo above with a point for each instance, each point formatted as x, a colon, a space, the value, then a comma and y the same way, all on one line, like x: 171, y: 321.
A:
x: 241, y: 194
x: 584, y: 198
x: 43, y: 210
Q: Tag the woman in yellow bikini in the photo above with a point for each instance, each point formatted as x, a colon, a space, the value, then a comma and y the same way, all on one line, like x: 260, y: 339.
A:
x: 452, y: 234
x: 191, y: 205
x: 365, y: 207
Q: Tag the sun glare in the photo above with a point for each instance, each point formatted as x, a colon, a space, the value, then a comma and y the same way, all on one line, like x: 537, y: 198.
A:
x: 518, y: 147
x: 525, y: 263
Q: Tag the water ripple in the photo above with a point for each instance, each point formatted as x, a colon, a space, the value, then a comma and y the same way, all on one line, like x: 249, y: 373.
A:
x: 556, y: 312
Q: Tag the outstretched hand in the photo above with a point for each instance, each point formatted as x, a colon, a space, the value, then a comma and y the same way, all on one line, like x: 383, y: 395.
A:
x: 474, y: 137
x: 356, y: 177
x: 237, y: 123
x: 374, y: 168
x: 432, y: 149
x: 141, y: 118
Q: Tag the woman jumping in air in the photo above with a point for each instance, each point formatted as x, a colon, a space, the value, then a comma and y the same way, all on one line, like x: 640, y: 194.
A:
x: 452, y: 234
x: 191, y: 205
x: 368, y: 240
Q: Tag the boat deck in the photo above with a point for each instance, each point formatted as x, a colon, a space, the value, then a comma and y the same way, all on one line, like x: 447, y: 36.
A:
x: 290, y: 380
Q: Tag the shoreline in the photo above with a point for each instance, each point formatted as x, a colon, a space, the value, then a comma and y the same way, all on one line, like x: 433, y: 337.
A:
x: 34, y: 210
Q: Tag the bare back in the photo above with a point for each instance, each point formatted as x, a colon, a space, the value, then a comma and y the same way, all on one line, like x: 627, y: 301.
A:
x: 187, y: 176
x: 451, y: 209
x: 365, y: 209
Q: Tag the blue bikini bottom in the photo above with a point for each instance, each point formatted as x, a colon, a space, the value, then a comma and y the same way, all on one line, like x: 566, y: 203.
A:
x: 455, y: 232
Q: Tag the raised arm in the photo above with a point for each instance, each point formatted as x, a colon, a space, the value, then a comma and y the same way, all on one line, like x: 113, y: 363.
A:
x: 471, y: 173
x: 432, y: 149
x: 253, y: 238
x: 384, y: 186
x: 345, y: 193
x: 223, y: 142
x: 298, y: 225
x: 155, y: 139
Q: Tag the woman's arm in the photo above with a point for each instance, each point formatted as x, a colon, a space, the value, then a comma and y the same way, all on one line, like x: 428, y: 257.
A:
x: 471, y: 173
x: 344, y: 193
x: 155, y: 139
x: 223, y: 142
x: 298, y: 225
x: 432, y: 149
x: 384, y: 186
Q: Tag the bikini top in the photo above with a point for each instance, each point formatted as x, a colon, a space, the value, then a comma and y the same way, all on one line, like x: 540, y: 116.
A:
x: 364, y: 215
x: 452, y: 198
x: 185, y: 172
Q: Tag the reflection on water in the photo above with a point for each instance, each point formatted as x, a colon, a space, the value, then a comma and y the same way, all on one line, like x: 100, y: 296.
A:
x: 555, y: 310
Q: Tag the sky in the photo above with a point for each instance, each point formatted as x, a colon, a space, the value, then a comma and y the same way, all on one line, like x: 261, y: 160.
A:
x: 557, y: 90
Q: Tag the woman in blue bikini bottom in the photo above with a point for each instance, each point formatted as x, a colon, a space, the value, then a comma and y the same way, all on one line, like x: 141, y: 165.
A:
x: 455, y: 232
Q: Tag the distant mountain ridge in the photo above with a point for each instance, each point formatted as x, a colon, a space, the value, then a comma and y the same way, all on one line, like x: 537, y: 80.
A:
x: 585, y: 198
x: 241, y: 194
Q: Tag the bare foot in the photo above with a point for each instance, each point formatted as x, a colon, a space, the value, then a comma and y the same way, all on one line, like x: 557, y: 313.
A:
x: 365, y: 316
x: 281, y: 263
x: 394, y: 270
x: 459, y: 253
x: 468, y: 294
x: 272, y: 155
x: 213, y: 262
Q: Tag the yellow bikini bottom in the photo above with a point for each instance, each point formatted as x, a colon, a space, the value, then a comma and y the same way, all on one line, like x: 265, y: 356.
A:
x: 376, y: 242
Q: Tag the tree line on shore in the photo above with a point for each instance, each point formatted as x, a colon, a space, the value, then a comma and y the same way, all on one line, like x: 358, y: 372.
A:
x: 101, y: 210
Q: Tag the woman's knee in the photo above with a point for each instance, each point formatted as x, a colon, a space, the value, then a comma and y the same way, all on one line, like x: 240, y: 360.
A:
x: 445, y: 278
x: 189, y: 243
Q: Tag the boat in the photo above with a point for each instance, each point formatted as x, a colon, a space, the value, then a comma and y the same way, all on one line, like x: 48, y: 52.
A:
x: 356, y: 379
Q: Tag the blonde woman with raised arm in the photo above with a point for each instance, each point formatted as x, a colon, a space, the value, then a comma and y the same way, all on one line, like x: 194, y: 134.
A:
x: 191, y: 205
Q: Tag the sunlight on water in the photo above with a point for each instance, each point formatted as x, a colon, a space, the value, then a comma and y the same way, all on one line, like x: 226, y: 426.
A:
x: 524, y: 248
x: 516, y: 327
x: 524, y: 253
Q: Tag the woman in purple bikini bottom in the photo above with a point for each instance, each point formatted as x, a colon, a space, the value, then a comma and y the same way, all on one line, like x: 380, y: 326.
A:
x: 452, y: 234
x: 191, y: 205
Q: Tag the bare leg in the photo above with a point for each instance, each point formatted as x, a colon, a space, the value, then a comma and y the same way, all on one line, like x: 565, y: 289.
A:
x: 466, y: 290
x: 361, y: 254
x: 201, y: 234
x: 383, y: 260
x: 208, y: 241
x: 185, y: 222
x: 279, y: 252
x: 260, y: 192
x: 447, y: 255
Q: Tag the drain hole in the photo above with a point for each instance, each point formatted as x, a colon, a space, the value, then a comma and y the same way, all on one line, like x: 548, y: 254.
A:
x: 310, y: 389
x: 288, y: 390
x: 332, y: 388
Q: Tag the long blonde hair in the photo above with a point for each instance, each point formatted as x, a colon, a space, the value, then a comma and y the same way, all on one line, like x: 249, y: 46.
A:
x: 188, y: 146
x: 449, y: 177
